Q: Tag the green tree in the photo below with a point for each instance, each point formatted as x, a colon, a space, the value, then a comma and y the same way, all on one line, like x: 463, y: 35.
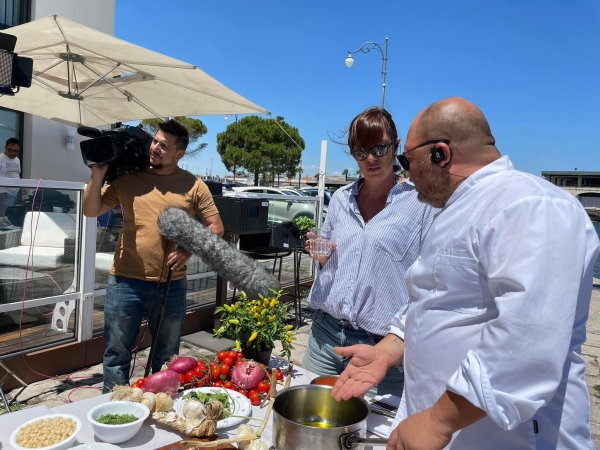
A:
x: 195, y: 127
x: 345, y: 173
x: 358, y: 172
x: 261, y: 146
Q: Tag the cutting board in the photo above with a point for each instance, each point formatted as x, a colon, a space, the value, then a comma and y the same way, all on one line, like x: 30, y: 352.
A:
x: 187, y: 447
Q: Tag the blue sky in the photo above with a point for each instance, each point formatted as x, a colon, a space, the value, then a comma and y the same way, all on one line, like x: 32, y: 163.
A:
x: 532, y: 67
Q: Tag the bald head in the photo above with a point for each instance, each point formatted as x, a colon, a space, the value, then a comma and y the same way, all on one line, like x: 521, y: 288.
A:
x: 459, y: 121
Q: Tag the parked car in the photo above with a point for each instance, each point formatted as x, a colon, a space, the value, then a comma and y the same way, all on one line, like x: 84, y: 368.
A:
x: 282, y: 210
x: 314, y: 192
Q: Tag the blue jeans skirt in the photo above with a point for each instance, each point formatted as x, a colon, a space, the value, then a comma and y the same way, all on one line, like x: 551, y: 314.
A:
x: 328, y: 332
x: 126, y: 303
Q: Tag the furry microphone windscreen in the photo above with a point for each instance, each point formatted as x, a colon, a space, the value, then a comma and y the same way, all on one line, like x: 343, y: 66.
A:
x: 224, y: 259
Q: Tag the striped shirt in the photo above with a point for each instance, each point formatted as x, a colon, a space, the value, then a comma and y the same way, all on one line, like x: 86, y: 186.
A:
x: 363, y: 280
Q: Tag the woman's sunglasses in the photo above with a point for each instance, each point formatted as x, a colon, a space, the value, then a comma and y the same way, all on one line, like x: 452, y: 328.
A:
x: 377, y: 151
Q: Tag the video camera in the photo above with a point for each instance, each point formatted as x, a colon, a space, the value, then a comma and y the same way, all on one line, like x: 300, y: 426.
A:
x: 125, y: 148
x: 15, y: 71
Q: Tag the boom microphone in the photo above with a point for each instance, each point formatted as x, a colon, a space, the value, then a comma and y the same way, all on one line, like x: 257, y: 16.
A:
x: 242, y: 271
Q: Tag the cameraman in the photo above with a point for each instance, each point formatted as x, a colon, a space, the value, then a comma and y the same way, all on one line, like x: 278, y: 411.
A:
x: 137, y: 284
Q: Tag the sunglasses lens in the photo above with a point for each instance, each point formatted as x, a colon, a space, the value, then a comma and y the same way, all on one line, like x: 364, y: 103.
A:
x: 358, y: 155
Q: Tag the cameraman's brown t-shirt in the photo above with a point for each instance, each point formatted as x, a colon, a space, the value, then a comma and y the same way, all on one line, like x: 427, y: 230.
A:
x: 143, y: 196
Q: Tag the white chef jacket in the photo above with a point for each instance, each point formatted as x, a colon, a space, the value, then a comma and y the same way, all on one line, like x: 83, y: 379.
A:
x: 499, y: 298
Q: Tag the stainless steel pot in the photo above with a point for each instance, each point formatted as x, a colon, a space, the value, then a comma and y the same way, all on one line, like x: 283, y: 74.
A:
x: 308, y: 418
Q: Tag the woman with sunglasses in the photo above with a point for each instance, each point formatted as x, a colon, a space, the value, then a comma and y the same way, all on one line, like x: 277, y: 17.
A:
x: 377, y: 225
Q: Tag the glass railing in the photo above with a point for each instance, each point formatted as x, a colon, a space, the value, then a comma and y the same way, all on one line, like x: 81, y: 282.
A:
x: 41, y: 238
x: 54, y: 263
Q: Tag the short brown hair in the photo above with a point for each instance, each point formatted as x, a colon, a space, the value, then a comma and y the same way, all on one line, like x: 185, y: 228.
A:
x: 368, y: 128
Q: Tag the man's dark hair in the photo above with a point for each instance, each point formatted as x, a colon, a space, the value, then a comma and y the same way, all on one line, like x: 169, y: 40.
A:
x: 176, y: 129
x: 11, y: 141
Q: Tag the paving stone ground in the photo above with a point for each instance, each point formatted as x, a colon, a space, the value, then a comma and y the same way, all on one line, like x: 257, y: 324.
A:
x: 87, y: 383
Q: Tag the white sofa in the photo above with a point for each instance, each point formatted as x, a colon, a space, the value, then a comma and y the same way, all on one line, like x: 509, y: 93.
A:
x: 49, y: 230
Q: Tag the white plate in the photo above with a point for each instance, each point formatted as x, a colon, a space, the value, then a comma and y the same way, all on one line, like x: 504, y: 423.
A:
x: 241, y: 407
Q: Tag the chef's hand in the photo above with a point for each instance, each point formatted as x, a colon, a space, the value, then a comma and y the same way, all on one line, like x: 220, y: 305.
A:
x: 419, y: 431
x: 178, y: 258
x: 365, y: 370
x: 320, y: 259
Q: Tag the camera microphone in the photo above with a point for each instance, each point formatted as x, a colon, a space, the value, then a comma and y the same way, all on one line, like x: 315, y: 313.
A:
x: 242, y: 271
x: 89, y: 132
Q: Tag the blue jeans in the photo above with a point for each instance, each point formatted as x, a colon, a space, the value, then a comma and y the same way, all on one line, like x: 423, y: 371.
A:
x: 328, y: 332
x: 126, y: 302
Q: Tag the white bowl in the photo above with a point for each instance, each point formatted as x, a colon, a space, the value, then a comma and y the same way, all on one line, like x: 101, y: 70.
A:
x: 115, y: 434
x: 67, y: 443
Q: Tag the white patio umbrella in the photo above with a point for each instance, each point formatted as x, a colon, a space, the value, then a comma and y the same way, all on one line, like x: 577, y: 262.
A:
x: 84, y: 77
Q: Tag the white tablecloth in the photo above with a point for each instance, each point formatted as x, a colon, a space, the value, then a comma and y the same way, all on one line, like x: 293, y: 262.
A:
x: 12, y: 421
x: 152, y: 435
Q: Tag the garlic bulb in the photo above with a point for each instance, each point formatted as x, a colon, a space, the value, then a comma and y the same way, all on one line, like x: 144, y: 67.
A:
x: 163, y: 402
x: 257, y: 444
x: 135, y: 395
x: 245, y: 431
x: 149, y: 400
x: 193, y: 409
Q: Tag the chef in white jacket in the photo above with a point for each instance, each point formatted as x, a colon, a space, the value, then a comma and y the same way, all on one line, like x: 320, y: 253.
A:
x: 499, y: 298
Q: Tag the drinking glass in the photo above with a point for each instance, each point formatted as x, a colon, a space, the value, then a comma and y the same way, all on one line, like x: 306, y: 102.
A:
x: 319, y: 246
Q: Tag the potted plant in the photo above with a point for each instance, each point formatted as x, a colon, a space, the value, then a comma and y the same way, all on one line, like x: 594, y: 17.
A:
x: 256, y: 324
x: 304, y: 225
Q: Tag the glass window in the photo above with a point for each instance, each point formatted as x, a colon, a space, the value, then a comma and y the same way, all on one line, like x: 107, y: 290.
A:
x: 14, y: 12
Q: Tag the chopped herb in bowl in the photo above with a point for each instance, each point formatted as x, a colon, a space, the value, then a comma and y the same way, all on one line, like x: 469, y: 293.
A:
x: 116, y: 419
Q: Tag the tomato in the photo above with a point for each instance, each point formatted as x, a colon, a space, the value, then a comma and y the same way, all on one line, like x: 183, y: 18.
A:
x: 240, y: 355
x: 138, y: 384
x: 227, y: 360
x: 229, y: 385
x: 232, y: 354
x: 279, y: 374
x: 199, y: 372
x: 263, y: 387
x: 201, y: 364
x: 181, y: 379
x: 217, y: 383
x: 189, y: 377
x: 254, y: 397
x: 225, y: 368
x: 221, y: 356
x: 238, y: 362
x: 213, y: 364
x: 215, y: 373
x: 244, y: 392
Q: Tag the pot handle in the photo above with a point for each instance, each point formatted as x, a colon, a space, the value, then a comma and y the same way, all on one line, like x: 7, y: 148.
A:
x: 351, y: 440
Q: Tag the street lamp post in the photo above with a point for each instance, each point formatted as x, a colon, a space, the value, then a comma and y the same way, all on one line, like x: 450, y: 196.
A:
x: 366, y: 48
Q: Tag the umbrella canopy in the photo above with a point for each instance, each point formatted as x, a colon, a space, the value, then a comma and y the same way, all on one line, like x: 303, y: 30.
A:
x: 84, y: 77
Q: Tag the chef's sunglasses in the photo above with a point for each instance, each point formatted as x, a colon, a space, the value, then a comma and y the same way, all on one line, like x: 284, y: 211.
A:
x: 403, y: 160
x: 377, y: 151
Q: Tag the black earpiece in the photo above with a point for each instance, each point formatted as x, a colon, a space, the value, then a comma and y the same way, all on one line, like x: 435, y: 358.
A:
x: 437, y: 156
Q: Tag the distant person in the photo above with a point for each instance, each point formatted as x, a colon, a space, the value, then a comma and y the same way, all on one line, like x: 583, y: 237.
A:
x: 377, y: 225
x: 10, y: 167
x: 499, y: 299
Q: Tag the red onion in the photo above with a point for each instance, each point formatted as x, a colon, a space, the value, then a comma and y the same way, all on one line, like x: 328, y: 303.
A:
x: 166, y: 381
x: 247, y: 375
x: 182, y: 364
